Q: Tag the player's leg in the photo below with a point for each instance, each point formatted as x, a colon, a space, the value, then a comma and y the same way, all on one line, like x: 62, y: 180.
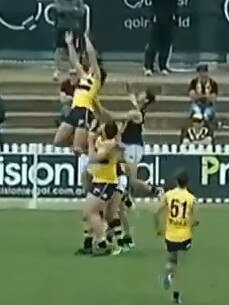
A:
x: 93, y: 207
x: 113, y: 215
x: 184, y: 247
x: 85, y: 175
x: 64, y: 135
x: 115, y: 231
x: 88, y: 240
x: 80, y: 141
x: 84, y: 119
x: 66, y: 132
x: 86, y: 179
x: 97, y: 201
x: 126, y: 205
x: 171, y: 264
x: 171, y: 276
x: 133, y: 156
x: 176, y: 284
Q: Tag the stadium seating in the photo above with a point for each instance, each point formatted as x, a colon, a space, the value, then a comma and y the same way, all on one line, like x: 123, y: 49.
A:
x: 32, y: 108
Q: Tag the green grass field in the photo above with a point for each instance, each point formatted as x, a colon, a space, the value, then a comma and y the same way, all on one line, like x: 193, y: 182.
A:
x: 37, y: 265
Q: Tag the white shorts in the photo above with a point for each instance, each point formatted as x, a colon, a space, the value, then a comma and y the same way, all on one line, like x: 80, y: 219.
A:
x: 133, y: 153
x: 83, y: 163
x: 122, y: 185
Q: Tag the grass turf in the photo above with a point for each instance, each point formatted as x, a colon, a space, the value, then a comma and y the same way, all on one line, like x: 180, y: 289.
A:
x: 37, y: 264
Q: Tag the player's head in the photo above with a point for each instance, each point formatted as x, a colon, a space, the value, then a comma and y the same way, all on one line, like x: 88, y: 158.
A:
x: 182, y: 179
x: 110, y: 130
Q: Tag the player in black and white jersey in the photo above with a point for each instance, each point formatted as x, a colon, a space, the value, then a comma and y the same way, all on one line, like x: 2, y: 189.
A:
x: 133, y: 142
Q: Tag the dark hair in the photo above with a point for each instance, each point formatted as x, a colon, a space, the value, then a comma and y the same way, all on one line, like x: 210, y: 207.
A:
x: 170, y: 184
x: 111, y: 130
x: 150, y: 94
x: 84, y: 60
x: 103, y: 76
x: 182, y: 179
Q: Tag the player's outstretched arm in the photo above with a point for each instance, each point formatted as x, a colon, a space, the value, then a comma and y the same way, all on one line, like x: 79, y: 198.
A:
x: 104, y: 114
x: 74, y: 59
x: 132, y: 96
x: 92, y: 58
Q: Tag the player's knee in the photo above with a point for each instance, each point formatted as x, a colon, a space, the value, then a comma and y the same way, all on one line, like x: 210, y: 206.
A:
x: 58, y: 141
x: 92, y: 211
x: 87, y: 215
x: 77, y: 151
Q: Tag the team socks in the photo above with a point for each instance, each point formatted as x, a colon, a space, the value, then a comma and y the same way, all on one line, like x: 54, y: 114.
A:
x: 127, y: 239
x: 176, y: 297
x: 102, y: 244
x: 116, y: 227
x: 88, y: 240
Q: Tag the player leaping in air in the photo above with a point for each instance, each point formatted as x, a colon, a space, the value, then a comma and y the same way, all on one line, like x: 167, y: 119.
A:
x: 132, y: 139
x: 177, y: 206
x: 121, y: 197
x: 78, y: 122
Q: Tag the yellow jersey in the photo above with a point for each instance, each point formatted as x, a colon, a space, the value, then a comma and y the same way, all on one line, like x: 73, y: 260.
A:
x: 105, y: 171
x: 86, y: 92
x: 179, y: 211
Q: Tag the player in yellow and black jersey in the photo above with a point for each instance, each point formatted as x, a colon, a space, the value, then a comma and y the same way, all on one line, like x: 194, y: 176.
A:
x: 103, y: 156
x: 85, y: 97
x: 177, y: 212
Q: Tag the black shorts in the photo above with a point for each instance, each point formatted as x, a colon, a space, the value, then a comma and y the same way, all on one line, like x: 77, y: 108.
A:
x: 60, y: 39
x: 80, y: 117
x: 178, y: 246
x: 103, y: 191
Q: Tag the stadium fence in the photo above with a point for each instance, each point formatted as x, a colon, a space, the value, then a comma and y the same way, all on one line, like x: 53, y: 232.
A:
x: 37, y: 171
